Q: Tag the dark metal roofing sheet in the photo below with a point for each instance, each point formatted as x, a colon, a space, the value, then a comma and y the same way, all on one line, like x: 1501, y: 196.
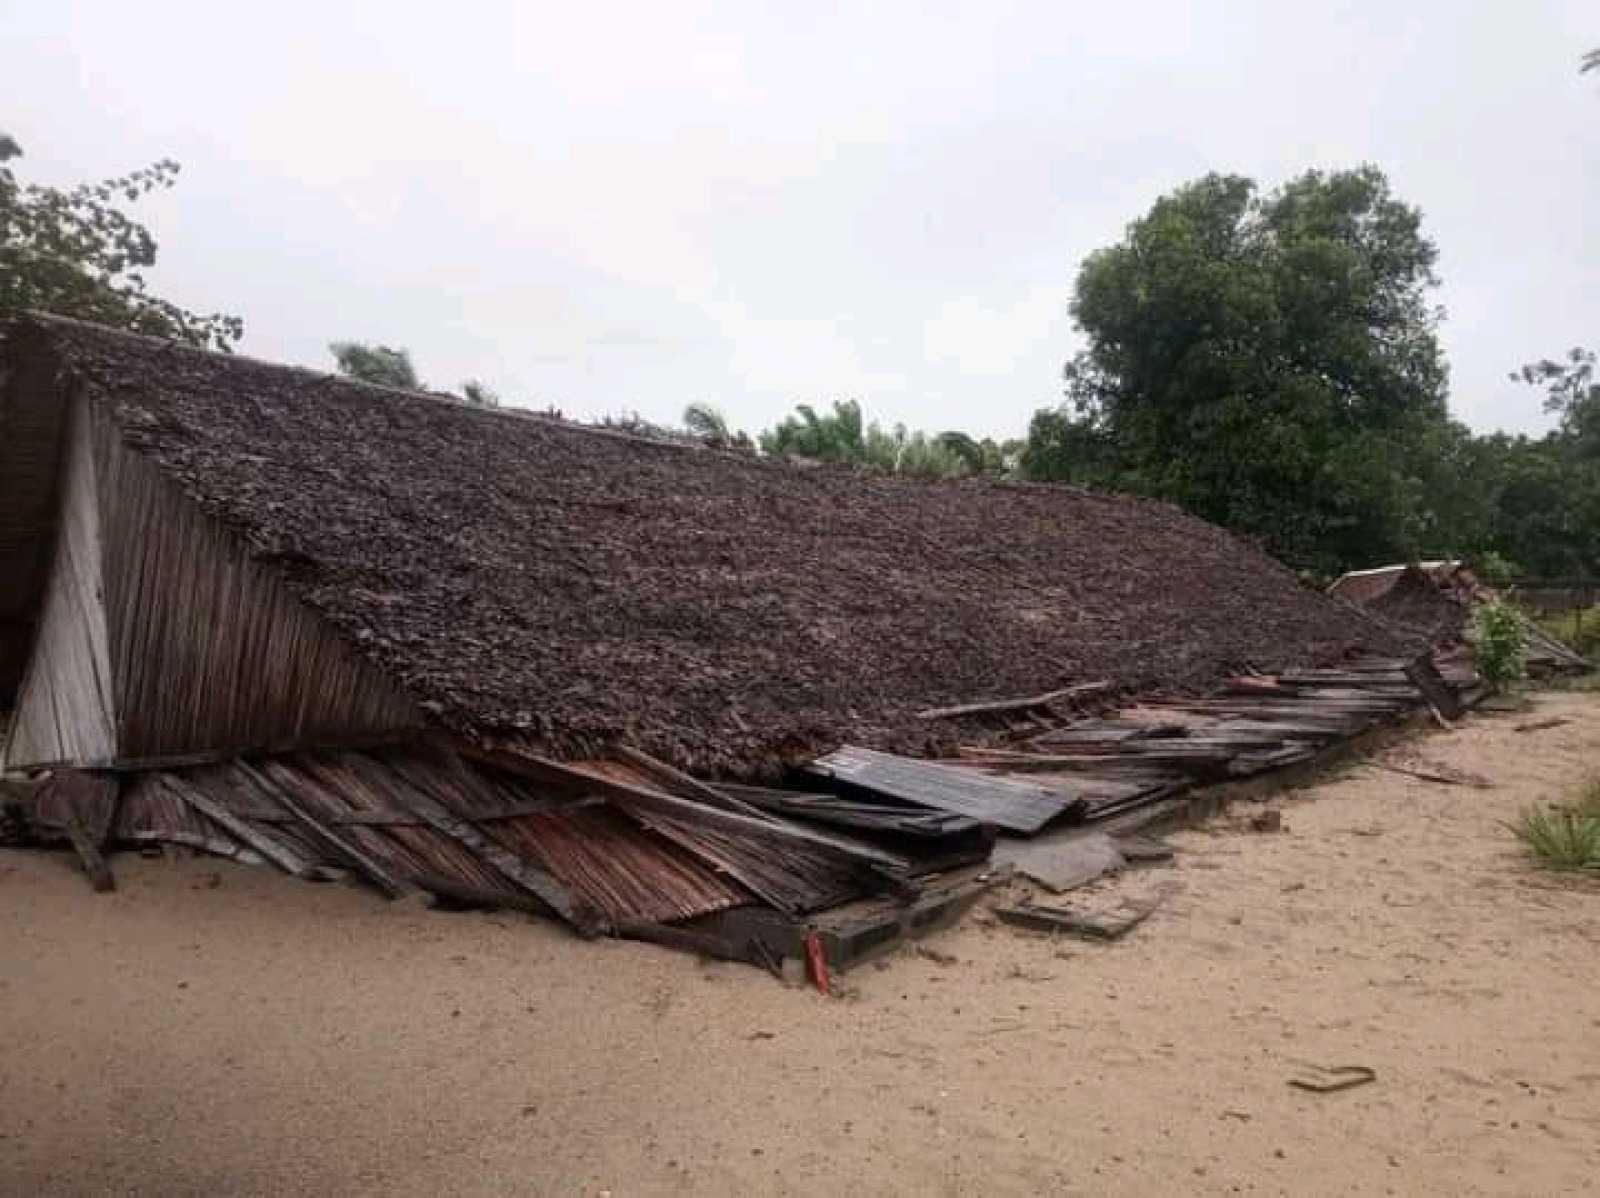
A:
x: 1003, y: 802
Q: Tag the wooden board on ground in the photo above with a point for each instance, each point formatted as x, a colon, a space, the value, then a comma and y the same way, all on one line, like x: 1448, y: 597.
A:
x: 1110, y: 920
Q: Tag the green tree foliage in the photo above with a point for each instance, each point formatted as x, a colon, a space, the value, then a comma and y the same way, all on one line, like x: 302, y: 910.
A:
x: 1540, y: 497
x: 707, y: 422
x: 75, y: 252
x: 479, y: 394
x: 1268, y: 360
x: 844, y: 435
x: 1572, y: 395
x: 836, y: 436
x: 986, y: 456
x: 1501, y: 641
x: 1528, y: 506
x: 1065, y: 447
x: 376, y: 364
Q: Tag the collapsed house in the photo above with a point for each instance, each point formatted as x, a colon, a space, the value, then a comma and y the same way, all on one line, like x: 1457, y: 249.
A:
x: 503, y: 659
x: 1433, y: 600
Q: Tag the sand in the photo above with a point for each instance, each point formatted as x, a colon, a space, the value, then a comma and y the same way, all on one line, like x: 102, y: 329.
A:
x: 216, y: 1029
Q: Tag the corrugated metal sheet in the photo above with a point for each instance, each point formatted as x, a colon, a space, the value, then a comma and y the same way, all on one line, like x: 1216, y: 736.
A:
x: 855, y: 814
x: 1002, y: 802
x: 622, y: 870
x: 606, y: 859
x: 368, y: 812
x: 795, y: 877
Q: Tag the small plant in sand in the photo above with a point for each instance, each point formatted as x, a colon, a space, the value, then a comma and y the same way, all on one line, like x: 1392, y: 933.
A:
x: 1566, y: 836
x: 1501, y: 641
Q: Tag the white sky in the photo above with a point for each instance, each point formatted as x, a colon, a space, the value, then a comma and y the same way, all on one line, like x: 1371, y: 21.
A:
x: 616, y: 207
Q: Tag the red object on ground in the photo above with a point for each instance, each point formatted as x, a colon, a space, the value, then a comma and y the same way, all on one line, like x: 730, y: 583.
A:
x: 817, y: 961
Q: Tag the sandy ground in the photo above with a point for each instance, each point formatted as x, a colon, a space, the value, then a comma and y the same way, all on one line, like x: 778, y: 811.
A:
x: 263, y: 1036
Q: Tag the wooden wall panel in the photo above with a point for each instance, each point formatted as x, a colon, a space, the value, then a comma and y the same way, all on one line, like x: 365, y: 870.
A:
x: 209, y: 650
x: 33, y: 417
x: 64, y: 709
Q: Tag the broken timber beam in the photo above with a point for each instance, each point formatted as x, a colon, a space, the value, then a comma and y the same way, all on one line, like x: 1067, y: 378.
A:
x: 1441, y: 698
x: 1452, y: 778
x: 89, y: 855
x: 374, y: 871
x: 545, y: 887
x: 269, y: 847
x: 1001, y: 706
x: 626, y: 794
x: 686, y: 783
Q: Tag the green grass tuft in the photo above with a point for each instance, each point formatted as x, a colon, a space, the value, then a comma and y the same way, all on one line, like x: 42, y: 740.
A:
x: 1587, y: 804
x: 1563, y: 837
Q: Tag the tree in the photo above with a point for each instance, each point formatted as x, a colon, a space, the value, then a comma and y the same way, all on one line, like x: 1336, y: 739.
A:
x: 376, y: 364
x: 1065, y: 447
x: 1572, y: 394
x: 74, y: 252
x: 479, y: 394
x: 985, y: 457
x: 843, y: 435
x: 837, y: 436
x: 1269, y: 361
x: 707, y: 422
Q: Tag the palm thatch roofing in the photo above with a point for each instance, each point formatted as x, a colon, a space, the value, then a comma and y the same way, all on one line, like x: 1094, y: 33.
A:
x: 520, y: 574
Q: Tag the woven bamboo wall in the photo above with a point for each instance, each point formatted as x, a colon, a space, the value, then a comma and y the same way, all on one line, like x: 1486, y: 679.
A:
x: 209, y: 650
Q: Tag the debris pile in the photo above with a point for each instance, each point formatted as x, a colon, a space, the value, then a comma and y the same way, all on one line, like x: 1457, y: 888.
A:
x: 860, y: 850
x: 1433, y: 601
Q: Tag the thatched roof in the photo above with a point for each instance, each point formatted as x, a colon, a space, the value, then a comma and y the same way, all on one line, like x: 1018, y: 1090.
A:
x: 518, y: 572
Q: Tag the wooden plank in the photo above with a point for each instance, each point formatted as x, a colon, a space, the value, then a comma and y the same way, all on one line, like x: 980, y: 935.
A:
x: 695, y: 788
x: 1442, y: 774
x: 821, y: 807
x: 376, y: 873
x: 686, y: 784
x: 628, y: 795
x: 1444, y: 701
x: 183, y: 761
x: 105, y: 813
x: 230, y: 849
x: 275, y: 851
x: 1105, y: 922
x: 999, y: 706
x: 543, y: 886
x: 94, y: 864
x: 408, y: 819
x: 1173, y: 753
x: 719, y: 948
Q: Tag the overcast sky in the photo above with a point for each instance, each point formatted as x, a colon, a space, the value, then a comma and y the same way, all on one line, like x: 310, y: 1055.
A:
x: 614, y: 207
